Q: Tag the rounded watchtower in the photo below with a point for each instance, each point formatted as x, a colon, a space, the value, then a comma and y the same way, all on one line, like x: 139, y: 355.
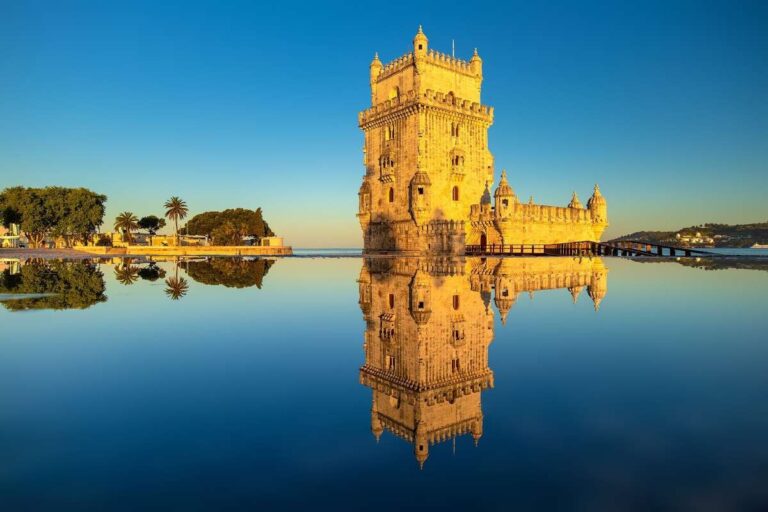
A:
x: 420, y: 43
x: 598, y: 206
x: 420, y: 197
x: 504, y: 197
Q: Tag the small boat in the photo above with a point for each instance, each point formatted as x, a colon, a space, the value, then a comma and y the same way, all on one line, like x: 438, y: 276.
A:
x: 759, y: 246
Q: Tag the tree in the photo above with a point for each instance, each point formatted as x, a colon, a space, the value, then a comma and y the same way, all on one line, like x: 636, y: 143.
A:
x: 229, y: 272
x: 176, y: 287
x: 126, y: 222
x: 53, y: 211
x: 230, y: 226
x: 175, y: 209
x: 152, y: 224
x: 54, y: 285
x: 126, y: 274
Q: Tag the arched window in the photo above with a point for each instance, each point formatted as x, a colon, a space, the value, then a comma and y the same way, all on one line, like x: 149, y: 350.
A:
x: 394, y: 93
x: 391, y: 301
x: 455, y: 302
x: 391, y: 195
x: 455, y: 193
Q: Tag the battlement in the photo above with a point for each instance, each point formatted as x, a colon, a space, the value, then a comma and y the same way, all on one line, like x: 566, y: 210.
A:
x: 396, y: 65
x: 433, y: 57
x: 450, y: 62
x: 428, y: 98
x: 533, y: 212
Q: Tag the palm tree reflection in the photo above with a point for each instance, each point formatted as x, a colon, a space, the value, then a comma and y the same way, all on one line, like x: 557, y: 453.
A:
x: 176, y: 287
x: 126, y: 273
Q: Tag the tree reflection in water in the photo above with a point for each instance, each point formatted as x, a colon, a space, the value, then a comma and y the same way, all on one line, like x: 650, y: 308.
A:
x: 55, y: 284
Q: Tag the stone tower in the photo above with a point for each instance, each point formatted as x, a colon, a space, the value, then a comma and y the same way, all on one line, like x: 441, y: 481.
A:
x: 426, y: 151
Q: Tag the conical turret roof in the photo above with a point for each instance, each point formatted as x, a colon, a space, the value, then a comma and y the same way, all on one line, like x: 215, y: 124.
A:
x: 575, y: 203
x: 504, y: 189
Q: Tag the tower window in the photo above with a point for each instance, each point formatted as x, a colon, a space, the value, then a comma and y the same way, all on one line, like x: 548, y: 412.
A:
x: 391, y: 195
x: 455, y: 367
x: 455, y: 302
x: 421, y: 191
x: 455, y: 193
x: 391, y: 301
x: 454, y: 129
x: 421, y: 304
x: 505, y: 202
x: 420, y: 47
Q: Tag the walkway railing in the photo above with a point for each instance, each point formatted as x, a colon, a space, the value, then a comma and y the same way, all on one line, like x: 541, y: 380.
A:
x: 584, y: 248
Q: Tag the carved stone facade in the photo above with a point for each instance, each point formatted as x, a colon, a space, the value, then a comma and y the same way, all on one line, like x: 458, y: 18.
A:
x: 429, y: 171
x: 429, y: 323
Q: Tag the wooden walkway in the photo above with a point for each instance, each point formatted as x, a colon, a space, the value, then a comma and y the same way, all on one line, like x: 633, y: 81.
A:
x: 610, y: 248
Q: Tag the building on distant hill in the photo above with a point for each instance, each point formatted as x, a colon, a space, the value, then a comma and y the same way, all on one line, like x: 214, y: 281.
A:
x: 429, y: 172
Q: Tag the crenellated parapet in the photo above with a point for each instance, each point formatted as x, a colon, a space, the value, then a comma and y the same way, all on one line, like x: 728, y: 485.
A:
x: 395, y: 65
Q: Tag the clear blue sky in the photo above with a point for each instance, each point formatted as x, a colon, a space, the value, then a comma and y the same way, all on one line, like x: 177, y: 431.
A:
x: 664, y: 104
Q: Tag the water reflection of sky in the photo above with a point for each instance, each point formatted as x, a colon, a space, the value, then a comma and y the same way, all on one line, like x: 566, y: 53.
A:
x: 248, y: 397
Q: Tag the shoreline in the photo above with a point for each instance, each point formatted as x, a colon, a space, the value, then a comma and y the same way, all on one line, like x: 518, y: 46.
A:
x: 236, y: 252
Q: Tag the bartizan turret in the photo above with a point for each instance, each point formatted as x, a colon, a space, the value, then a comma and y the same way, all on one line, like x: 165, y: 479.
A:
x: 504, y: 207
x: 420, y: 195
x: 599, y: 210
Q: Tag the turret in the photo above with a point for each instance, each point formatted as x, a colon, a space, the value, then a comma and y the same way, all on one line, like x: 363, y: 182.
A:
x: 364, y: 204
x: 375, y: 68
x: 420, y: 197
x: 421, y: 303
x: 364, y: 289
x: 599, y: 210
x: 575, y: 291
x: 575, y: 203
x: 376, y: 427
x: 504, y: 298
x: 476, y: 64
x: 420, y: 44
x: 477, y: 430
x: 504, y: 197
x: 598, y: 206
x: 598, y: 284
x: 421, y: 444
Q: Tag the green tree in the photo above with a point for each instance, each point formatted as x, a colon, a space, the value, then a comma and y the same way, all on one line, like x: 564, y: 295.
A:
x: 176, y: 287
x: 53, y: 211
x: 126, y: 273
x: 175, y: 209
x: 230, y: 226
x: 55, y: 284
x: 152, y: 224
x: 229, y: 272
x: 126, y: 222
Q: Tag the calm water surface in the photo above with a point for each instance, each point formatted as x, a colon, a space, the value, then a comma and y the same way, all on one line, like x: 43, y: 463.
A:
x: 387, y: 384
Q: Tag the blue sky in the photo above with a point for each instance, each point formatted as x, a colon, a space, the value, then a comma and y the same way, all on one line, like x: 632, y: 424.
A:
x: 664, y: 104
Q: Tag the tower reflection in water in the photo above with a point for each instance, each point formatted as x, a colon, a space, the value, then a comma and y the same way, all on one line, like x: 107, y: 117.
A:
x: 429, y: 323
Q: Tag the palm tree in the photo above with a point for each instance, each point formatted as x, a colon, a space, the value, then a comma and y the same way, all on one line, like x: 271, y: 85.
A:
x: 175, y: 209
x: 126, y: 222
x: 176, y: 287
x: 126, y: 274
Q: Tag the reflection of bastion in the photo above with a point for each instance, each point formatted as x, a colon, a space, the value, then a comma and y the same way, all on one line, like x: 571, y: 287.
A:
x: 429, y: 324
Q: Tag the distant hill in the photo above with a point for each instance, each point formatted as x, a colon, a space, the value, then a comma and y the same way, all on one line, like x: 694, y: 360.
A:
x: 707, y: 235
